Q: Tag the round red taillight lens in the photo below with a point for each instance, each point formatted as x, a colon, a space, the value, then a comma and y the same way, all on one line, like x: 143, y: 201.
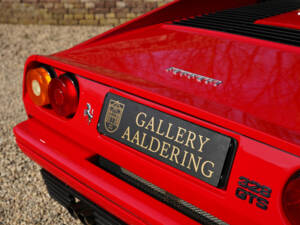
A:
x: 291, y: 200
x: 37, y: 82
x: 63, y: 95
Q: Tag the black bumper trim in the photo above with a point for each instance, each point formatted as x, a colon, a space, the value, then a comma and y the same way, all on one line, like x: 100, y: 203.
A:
x: 156, y: 192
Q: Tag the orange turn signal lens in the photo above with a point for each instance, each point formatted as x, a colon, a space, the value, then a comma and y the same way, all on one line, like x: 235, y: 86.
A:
x: 37, y: 82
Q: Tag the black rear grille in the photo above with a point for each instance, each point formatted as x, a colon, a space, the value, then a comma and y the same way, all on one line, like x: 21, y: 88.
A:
x: 241, y: 21
x: 71, y: 199
x: 161, y: 195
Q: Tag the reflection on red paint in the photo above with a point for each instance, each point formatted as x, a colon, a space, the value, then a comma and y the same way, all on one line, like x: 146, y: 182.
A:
x: 260, y: 86
x: 287, y: 20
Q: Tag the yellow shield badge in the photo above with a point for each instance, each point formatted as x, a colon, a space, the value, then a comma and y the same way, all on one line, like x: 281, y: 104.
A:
x: 113, y: 115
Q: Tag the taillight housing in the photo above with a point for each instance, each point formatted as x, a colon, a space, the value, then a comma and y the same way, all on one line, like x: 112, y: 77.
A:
x: 64, y: 95
x: 45, y: 88
x: 291, y: 199
x: 37, y: 82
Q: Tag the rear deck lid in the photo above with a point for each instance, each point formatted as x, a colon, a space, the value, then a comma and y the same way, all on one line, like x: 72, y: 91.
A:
x: 254, y: 83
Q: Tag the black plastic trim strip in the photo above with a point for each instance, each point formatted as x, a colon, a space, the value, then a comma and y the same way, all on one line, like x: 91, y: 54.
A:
x: 154, y: 191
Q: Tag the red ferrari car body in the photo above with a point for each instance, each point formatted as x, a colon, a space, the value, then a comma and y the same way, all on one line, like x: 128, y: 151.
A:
x: 175, y: 121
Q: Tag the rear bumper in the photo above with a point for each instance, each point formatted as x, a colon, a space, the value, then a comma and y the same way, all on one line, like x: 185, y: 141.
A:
x: 69, y: 163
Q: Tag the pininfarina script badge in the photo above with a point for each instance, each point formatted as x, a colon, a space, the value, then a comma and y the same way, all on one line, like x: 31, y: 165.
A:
x: 113, y: 115
x: 199, y: 78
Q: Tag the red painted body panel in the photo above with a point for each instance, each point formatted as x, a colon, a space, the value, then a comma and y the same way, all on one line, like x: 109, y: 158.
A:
x: 257, y: 105
x: 239, y: 64
x: 288, y: 20
x: 74, y: 141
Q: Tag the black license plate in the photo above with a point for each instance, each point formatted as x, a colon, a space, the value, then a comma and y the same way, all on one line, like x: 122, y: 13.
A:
x: 193, y: 149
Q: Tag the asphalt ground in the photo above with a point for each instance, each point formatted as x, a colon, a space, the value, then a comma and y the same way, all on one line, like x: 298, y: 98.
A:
x: 23, y: 196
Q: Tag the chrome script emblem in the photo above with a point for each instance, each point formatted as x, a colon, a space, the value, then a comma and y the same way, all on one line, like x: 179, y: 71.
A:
x: 199, y: 78
x: 113, y: 115
x: 89, y: 112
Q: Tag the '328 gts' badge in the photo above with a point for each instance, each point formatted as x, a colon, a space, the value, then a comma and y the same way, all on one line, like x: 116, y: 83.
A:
x: 113, y: 115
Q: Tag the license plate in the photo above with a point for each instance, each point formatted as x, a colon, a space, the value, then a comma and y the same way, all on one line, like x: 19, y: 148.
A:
x: 193, y: 149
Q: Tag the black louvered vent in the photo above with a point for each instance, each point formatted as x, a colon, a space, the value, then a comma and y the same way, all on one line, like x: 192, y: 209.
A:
x: 71, y: 200
x: 241, y: 21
